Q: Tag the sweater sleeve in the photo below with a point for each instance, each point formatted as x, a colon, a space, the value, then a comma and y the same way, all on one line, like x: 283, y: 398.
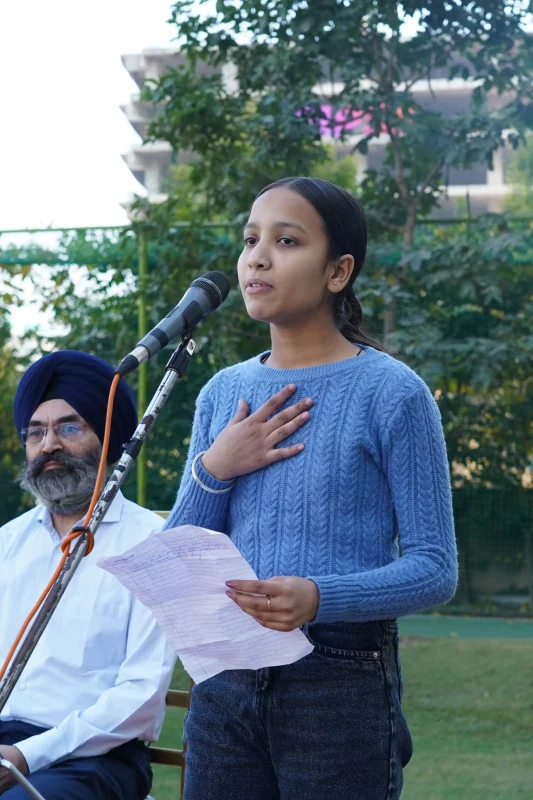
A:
x: 415, y: 463
x: 194, y: 505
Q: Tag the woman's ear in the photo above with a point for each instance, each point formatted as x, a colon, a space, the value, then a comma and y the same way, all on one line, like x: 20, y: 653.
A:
x: 340, y: 273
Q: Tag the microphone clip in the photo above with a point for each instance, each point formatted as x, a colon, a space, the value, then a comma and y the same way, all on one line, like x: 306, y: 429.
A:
x: 179, y: 360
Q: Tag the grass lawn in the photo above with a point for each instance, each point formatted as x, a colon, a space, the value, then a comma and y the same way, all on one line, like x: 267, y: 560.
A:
x: 469, y: 703
x: 470, y: 707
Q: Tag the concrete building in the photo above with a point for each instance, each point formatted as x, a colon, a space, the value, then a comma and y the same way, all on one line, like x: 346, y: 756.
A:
x: 150, y: 162
x: 486, y: 189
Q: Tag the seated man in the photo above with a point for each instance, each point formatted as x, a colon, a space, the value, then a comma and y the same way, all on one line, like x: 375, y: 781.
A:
x: 93, y: 691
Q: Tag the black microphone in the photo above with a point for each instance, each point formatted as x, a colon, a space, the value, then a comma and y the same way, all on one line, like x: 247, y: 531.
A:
x: 203, y: 296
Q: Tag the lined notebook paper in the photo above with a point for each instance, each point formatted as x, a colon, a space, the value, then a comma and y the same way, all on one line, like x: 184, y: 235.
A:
x: 180, y: 575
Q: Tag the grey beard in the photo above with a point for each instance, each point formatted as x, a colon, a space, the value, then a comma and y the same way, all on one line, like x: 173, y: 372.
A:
x: 65, y: 490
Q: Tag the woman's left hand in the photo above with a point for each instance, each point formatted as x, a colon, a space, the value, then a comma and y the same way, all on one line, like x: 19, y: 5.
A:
x: 283, y: 604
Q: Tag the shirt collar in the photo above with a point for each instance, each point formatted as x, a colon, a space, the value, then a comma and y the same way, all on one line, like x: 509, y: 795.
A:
x: 114, y: 513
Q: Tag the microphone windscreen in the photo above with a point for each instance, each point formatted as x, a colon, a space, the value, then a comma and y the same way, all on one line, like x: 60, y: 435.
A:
x: 216, y: 286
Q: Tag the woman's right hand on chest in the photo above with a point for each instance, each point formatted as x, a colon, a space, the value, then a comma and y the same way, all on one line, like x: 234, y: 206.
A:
x: 249, y: 441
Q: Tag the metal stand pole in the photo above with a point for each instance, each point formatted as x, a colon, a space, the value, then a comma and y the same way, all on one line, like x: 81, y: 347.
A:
x: 19, y: 777
x: 174, y: 370
x: 142, y: 330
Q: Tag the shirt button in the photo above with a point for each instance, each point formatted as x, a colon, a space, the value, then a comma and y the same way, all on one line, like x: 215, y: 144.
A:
x: 22, y: 687
x: 375, y: 655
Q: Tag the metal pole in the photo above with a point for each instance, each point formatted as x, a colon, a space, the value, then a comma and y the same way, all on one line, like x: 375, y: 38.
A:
x: 142, y: 329
x: 19, y: 777
x: 468, y: 209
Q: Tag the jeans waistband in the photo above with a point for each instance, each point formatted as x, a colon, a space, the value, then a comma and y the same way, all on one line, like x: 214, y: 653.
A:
x: 358, y: 636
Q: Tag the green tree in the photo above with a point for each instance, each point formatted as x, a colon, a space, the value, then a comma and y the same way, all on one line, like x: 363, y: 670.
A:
x: 465, y: 327
x: 275, y: 74
x: 12, y: 364
x: 11, y: 452
x: 520, y: 178
x: 288, y: 69
x: 90, y: 284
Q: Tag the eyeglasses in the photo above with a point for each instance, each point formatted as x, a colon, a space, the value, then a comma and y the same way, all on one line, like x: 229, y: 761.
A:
x: 66, y: 431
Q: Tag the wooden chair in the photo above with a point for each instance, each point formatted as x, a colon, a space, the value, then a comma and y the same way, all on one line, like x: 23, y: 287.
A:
x: 166, y: 755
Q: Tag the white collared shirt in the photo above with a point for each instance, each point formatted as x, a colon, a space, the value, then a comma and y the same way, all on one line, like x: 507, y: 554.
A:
x: 99, y: 675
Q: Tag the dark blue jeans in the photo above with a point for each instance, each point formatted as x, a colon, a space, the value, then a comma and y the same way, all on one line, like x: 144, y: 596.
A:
x: 330, y: 725
x: 122, y: 774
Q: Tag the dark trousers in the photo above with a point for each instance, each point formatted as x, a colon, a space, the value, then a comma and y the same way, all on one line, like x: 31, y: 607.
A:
x: 122, y: 774
x: 330, y: 725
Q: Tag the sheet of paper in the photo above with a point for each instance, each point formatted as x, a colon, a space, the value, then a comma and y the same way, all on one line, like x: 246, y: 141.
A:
x: 180, y: 575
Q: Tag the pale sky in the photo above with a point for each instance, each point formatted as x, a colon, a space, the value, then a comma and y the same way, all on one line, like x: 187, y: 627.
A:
x: 61, y: 129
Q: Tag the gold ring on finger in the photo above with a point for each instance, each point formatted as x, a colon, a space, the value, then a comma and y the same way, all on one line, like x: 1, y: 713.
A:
x: 269, y: 604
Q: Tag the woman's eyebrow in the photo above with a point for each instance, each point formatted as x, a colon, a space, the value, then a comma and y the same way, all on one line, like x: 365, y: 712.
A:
x: 280, y: 224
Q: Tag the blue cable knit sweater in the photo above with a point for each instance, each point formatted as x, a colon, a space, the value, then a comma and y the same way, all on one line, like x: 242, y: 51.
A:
x: 374, y: 467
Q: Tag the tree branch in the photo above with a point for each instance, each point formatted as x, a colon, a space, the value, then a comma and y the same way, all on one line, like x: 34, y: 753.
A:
x: 398, y: 162
x: 391, y: 226
x: 431, y: 174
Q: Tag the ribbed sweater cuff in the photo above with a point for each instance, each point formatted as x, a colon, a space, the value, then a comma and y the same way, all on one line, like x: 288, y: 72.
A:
x: 205, y: 509
x: 331, y: 607
x: 208, y: 479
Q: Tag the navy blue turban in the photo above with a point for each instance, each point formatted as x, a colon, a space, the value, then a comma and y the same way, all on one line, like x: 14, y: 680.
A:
x: 83, y: 381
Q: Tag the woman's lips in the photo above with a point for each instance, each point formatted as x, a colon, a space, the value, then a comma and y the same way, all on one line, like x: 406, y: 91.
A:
x: 258, y: 288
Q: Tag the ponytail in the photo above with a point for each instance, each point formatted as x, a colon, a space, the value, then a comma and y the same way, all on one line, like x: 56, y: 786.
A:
x: 350, y: 320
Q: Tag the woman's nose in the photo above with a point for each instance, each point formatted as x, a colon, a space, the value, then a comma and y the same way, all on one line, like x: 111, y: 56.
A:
x: 259, y: 259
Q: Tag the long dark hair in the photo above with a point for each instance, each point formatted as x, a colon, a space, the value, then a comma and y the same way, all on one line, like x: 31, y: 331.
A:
x: 345, y: 223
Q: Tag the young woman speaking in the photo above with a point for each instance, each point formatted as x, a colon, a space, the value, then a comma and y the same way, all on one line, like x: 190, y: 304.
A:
x: 314, y: 457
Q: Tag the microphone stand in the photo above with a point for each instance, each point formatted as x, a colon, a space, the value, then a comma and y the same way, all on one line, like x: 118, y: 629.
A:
x: 19, y: 777
x: 174, y: 370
